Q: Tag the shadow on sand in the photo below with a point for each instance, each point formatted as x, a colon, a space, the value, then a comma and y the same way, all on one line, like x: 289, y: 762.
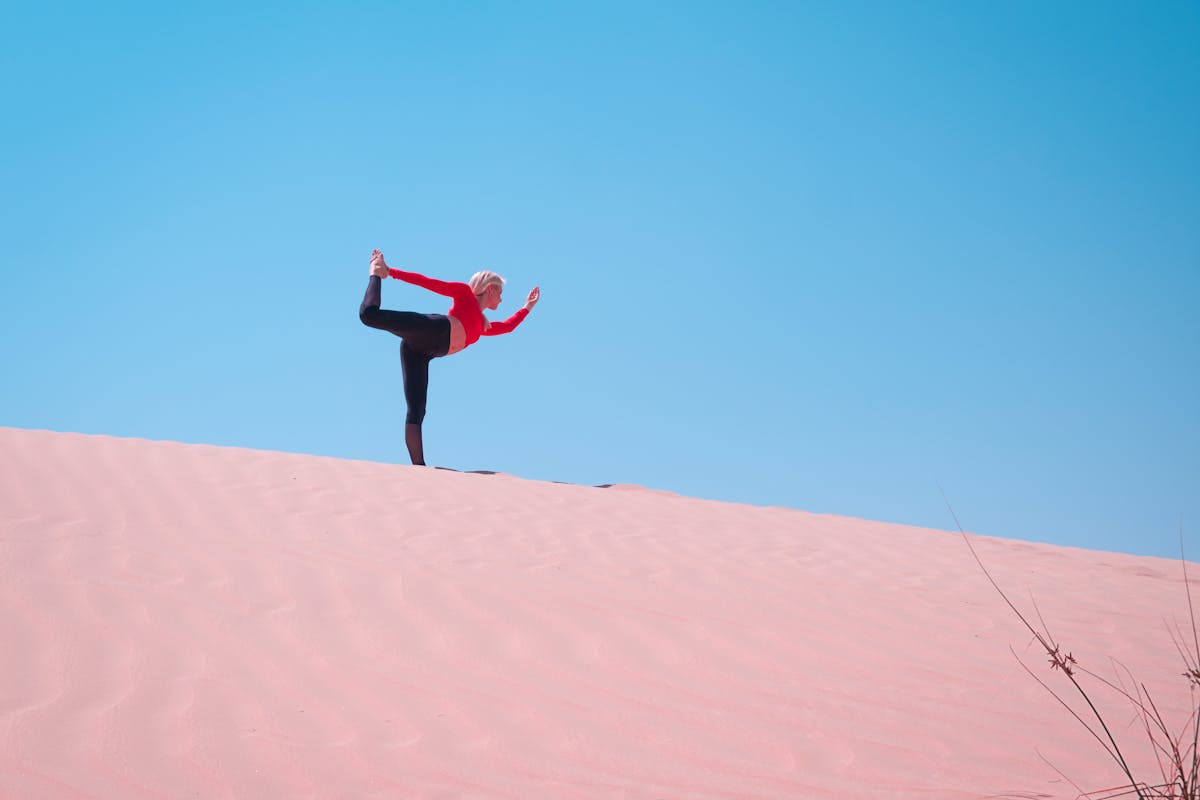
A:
x: 492, y: 472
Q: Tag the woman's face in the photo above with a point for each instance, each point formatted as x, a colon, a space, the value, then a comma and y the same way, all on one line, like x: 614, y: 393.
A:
x: 492, y: 296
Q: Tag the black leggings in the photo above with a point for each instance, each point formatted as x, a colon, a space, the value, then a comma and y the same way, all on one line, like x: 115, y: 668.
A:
x: 426, y: 337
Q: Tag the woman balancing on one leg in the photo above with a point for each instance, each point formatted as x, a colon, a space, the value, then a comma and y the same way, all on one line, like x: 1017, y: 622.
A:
x: 429, y: 336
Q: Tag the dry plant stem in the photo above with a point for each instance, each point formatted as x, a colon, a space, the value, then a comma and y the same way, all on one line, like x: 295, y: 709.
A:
x: 1187, y: 587
x: 1193, y: 673
x: 1062, y: 775
x: 1148, y: 713
x: 1112, y: 750
x: 1098, y: 795
x: 1193, y: 676
x: 1144, y: 717
x: 1057, y: 661
x: 1174, y: 754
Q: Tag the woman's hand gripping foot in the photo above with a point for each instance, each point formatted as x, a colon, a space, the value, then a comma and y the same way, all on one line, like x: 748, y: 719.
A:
x: 379, y: 267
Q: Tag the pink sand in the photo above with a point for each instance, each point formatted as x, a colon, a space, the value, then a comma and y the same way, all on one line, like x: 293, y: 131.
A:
x: 194, y: 621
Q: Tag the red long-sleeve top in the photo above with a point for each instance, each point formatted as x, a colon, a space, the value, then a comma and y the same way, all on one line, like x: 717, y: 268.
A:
x: 464, y: 308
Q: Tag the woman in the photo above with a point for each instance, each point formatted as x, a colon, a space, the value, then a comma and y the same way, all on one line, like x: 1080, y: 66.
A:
x: 429, y: 336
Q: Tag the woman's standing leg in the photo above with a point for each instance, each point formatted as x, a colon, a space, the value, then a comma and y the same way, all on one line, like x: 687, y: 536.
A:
x: 426, y: 336
x: 416, y: 389
x: 416, y: 450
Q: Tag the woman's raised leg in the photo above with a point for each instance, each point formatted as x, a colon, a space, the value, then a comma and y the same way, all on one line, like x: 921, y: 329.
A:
x: 427, y: 333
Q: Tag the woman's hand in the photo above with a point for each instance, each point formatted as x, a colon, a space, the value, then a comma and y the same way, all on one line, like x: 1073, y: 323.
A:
x: 533, y: 298
x: 378, y: 265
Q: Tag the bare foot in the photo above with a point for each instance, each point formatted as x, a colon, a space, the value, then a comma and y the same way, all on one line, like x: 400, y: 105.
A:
x: 378, y: 265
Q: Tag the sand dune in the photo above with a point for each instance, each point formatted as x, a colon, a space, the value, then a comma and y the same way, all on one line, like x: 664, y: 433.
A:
x: 194, y: 621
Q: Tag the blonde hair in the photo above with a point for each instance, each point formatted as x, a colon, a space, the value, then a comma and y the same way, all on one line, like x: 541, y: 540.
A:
x: 482, y: 279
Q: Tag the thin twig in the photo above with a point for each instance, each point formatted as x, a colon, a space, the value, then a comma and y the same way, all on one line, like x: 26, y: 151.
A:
x: 1187, y: 587
x: 1070, y: 711
x: 1057, y: 661
x: 1061, y: 774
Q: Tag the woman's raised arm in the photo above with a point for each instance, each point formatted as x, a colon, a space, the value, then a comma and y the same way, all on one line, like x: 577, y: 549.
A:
x: 444, y: 288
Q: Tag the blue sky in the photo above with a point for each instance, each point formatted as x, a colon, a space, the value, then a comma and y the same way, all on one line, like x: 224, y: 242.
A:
x: 826, y: 256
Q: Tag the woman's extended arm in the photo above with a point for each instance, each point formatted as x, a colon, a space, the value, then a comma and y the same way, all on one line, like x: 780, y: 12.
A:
x: 510, y: 324
x: 444, y: 288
